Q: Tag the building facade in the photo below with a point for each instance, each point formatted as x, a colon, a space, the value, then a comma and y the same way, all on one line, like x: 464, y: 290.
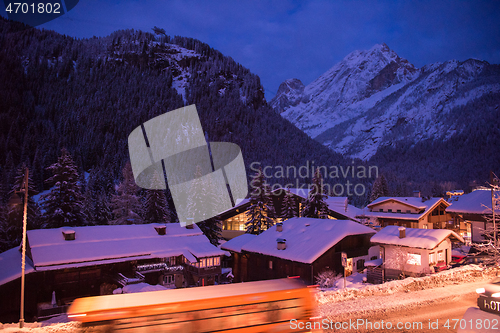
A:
x: 412, y: 251
x: 95, y: 260
x: 301, y: 247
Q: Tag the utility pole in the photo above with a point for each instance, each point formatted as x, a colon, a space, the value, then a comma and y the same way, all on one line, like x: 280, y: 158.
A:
x: 23, y: 262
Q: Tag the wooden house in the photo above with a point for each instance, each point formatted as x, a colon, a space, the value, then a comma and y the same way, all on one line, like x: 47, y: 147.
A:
x: 411, y: 251
x: 95, y: 260
x: 411, y: 212
x: 300, y: 247
x: 470, y: 211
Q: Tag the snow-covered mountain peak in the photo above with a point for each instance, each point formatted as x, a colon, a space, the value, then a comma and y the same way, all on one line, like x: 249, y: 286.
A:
x: 374, y: 98
x: 346, y: 88
x: 289, y: 94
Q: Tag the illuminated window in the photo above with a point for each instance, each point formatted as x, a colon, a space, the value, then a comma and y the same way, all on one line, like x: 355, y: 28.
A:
x: 432, y: 258
x: 203, y: 263
x: 216, y: 261
x: 210, y: 262
x: 414, y: 259
x: 270, y: 264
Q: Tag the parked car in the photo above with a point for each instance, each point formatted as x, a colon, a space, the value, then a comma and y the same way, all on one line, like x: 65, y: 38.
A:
x: 440, y: 267
x: 489, y: 297
x: 458, y: 258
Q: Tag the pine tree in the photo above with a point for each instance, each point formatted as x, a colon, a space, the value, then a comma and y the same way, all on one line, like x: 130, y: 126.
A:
x: 15, y: 213
x: 155, y: 205
x: 63, y: 205
x: 125, y: 203
x: 261, y: 206
x: 379, y: 189
x: 315, y: 205
x: 289, y: 206
x: 212, y: 229
x: 9, y: 236
x: 199, y: 201
x: 96, y: 204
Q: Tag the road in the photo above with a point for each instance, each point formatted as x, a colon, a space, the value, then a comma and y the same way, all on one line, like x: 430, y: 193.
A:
x: 419, y: 311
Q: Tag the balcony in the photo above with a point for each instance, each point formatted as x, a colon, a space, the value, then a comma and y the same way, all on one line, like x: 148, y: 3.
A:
x: 131, y: 279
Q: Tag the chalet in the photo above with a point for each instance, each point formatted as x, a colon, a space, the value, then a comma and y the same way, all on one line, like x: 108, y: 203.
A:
x: 234, y: 219
x: 411, y: 212
x: 300, y: 247
x: 469, y: 210
x: 94, y: 260
x: 410, y: 252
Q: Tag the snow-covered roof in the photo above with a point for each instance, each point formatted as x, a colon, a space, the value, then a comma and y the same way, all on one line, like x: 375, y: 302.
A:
x: 239, y: 203
x: 306, y: 238
x: 353, y: 212
x: 476, y: 202
x: 338, y: 204
x: 374, y: 263
x: 236, y: 243
x: 113, y: 243
x: 416, y: 238
x: 415, y: 202
x: 10, y: 265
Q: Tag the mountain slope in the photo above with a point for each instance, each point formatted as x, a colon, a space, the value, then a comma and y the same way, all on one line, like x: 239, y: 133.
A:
x: 374, y: 98
x: 88, y: 95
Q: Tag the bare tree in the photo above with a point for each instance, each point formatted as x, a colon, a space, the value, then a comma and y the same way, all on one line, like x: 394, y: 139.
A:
x: 327, y: 279
x: 490, y: 248
x: 398, y: 260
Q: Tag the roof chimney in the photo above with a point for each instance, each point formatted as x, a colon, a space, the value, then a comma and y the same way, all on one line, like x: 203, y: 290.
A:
x: 416, y: 194
x: 402, y: 232
x: 279, y: 227
x: 161, y: 230
x: 281, y: 243
x: 69, y: 234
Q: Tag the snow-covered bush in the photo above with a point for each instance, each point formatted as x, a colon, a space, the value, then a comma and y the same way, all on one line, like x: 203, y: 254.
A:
x: 327, y: 279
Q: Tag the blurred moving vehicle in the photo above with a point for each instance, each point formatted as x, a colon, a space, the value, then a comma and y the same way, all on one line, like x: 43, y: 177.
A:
x: 262, y: 306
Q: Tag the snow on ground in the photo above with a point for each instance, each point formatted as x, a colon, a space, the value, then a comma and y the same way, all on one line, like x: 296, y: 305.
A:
x: 138, y: 288
x: 38, y: 328
x: 401, y: 293
x: 355, y: 281
x: 357, y: 298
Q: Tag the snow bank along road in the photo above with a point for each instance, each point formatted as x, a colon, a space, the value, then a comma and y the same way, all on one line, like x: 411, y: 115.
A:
x: 408, y: 305
x: 428, y: 307
x: 421, y: 304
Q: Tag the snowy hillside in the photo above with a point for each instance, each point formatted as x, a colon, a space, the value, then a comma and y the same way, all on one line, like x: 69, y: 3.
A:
x: 289, y: 94
x: 375, y: 98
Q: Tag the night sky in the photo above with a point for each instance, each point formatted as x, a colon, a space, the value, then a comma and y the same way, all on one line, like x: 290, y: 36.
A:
x: 279, y: 40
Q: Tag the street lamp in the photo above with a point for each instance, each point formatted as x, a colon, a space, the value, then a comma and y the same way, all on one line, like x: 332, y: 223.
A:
x: 15, y: 200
